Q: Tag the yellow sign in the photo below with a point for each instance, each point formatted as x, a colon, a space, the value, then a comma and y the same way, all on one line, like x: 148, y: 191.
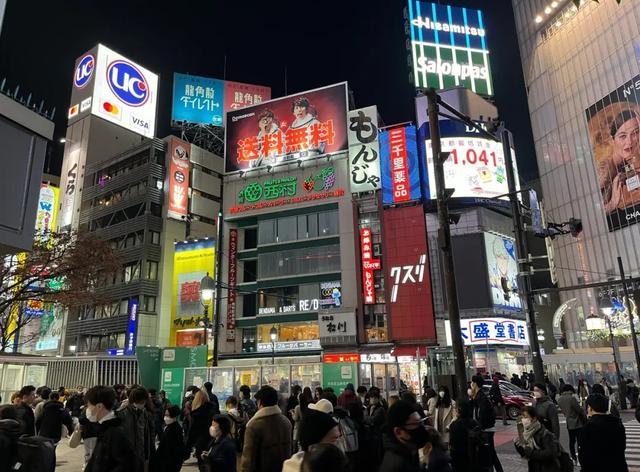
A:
x: 191, y: 262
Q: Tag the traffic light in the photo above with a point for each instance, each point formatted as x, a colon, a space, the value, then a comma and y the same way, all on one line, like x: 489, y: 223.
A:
x: 575, y: 227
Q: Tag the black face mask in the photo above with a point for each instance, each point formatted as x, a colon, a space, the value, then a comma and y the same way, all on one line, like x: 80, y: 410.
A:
x: 419, y: 436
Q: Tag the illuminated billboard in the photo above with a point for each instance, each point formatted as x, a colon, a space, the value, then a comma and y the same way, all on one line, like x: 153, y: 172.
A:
x: 191, y: 262
x: 108, y: 85
x: 178, y: 178
x: 299, y: 126
x: 490, y: 331
x: 400, y: 167
x: 205, y: 101
x: 364, y: 149
x: 47, y: 208
x: 449, y: 47
x: 475, y: 168
x: 502, y: 265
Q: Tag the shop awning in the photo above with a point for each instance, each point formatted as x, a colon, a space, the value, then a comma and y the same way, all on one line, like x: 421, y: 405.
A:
x: 409, y: 350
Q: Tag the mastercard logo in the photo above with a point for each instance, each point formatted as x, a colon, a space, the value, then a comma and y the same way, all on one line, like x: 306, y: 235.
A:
x: 110, y: 108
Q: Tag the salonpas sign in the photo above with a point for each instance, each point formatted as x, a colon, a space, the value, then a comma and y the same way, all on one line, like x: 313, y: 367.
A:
x: 449, y: 48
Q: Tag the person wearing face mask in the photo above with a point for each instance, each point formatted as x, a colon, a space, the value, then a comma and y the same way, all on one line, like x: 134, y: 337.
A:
x: 405, y: 434
x: 537, y: 444
x: 444, y: 413
x: 221, y: 455
x: 171, y: 450
x: 470, y: 451
x: 375, y: 421
x: 113, y: 451
x: 484, y: 414
x: 547, y: 410
x: 137, y: 425
x: 602, y: 441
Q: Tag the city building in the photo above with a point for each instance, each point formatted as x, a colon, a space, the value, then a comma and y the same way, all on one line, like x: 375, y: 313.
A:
x: 582, y: 77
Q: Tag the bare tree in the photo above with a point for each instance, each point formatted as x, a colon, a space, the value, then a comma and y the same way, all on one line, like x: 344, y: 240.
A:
x: 66, y: 269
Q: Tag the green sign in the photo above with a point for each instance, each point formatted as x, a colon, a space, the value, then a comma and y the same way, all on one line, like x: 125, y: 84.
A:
x: 149, y: 366
x: 338, y: 374
x: 172, y: 384
x: 287, y: 186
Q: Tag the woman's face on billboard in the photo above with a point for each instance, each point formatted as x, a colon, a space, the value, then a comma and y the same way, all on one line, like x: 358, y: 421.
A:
x: 625, y: 141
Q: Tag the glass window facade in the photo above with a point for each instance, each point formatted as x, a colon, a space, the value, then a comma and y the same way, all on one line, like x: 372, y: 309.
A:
x: 301, y: 261
x: 295, y: 228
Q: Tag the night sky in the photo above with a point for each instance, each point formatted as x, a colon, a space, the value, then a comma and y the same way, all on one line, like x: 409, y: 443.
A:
x: 317, y: 43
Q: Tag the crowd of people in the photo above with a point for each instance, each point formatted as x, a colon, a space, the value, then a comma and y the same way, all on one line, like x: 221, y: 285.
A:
x: 138, y: 430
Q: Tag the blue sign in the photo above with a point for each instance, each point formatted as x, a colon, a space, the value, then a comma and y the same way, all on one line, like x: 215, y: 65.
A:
x: 399, y: 167
x: 84, y: 71
x: 127, y: 83
x: 115, y: 352
x: 132, y: 328
x: 198, y: 100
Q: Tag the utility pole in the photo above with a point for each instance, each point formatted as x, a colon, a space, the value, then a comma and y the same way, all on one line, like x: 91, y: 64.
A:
x: 216, y: 315
x: 444, y: 241
x: 634, y: 336
x: 522, y: 253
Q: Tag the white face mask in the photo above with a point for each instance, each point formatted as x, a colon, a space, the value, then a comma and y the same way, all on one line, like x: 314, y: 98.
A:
x: 470, y: 392
x: 214, y: 432
x: 91, y: 415
x: 169, y: 420
x: 526, y: 422
x: 441, y: 394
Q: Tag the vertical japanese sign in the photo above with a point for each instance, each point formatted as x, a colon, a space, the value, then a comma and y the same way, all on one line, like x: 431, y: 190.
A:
x: 364, y: 149
x: 400, y: 166
x: 70, y: 182
x: 47, y: 209
x: 233, y: 281
x: 132, y: 327
x: 179, y: 170
x: 369, y: 264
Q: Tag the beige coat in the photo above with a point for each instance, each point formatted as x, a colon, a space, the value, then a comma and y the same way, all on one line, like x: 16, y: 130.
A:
x: 448, y: 416
x: 267, y: 441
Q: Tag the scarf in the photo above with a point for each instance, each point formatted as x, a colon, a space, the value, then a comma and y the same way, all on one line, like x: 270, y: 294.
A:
x: 529, y: 432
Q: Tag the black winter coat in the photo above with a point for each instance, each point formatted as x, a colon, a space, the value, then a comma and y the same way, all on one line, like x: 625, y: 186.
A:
x: 137, y: 424
x: 171, y: 451
x: 113, y: 451
x: 87, y: 428
x: 601, y: 445
x: 199, y: 427
x: 54, y: 415
x: 398, y: 457
x: 25, y: 416
x: 459, y: 445
x: 222, y: 455
x: 9, y: 434
x: 483, y: 411
x: 545, y: 458
x: 439, y: 461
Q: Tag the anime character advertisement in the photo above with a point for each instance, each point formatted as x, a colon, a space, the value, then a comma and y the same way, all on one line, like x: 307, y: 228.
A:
x: 503, y: 271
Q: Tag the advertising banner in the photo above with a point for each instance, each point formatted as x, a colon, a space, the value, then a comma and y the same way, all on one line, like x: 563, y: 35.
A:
x: 132, y: 327
x: 330, y: 295
x: 369, y: 264
x: 336, y: 325
x: 179, y: 174
x: 502, y: 265
x: 407, y: 275
x: 299, y: 126
x: 84, y: 73
x: 449, y: 47
x: 233, y: 281
x: 203, y: 100
x: 149, y: 366
x: 400, y: 167
x: 475, y: 168
x: 490, y: 331
x: 337, y: 375
x: 614, y: 128
x: 47, y: 209
x: 191, y: 262
x: 69, y: 184
x: 173, y: 362
x: 50, y: 329
x: 364, y: 149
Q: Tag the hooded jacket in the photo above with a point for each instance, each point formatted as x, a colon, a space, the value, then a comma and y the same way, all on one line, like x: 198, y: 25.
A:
x: 9, y: 434
x: 54, y: 415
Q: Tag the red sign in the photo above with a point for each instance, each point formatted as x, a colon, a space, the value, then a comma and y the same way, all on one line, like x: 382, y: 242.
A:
x: 240, y: 95
x: 190, y: 338
x: 399, y: 165
x: 233, y: 281
x: 407, y: 275
x: 333, y: 358
x: 179, y: 169
x: 190, y: 292
x: 368, y: 266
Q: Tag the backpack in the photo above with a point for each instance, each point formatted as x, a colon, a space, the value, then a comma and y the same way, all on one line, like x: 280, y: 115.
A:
x: 35, y: 454
x: 479, y: 449
x: 564, y: 459
x: 349, y: 439
x: 238, y: 428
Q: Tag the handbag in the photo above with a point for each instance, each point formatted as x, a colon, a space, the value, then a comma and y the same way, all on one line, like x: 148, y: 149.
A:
x: 76, y: 438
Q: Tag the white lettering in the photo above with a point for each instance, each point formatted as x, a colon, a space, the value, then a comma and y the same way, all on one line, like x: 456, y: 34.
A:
x: 462, y: 71
x: 425, y: 22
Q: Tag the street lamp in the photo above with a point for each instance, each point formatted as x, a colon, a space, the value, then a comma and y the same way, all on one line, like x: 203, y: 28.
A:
x: 207, y: 287
x: 594, y: 322
x: 273, y: 334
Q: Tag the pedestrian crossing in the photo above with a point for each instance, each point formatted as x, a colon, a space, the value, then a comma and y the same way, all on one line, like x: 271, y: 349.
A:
x: 632, y: 452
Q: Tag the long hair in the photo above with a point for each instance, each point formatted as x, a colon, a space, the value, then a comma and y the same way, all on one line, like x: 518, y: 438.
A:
x: 200, y: 399
x: 446, y: 400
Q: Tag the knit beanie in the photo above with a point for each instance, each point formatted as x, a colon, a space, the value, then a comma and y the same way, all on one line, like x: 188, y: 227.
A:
x: 314, y: 426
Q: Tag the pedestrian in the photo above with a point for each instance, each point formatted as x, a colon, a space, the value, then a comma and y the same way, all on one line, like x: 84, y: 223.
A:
x: 393, y: 399
x: 430, y: 402
x: 113, y: 451
x: 9, y: 434
x: 410, y: 398
x: 317, y: 427
x: 54, y: 416
x: 347, y: 396
x: 467, y: 442
x: 304, y: 401
x: 612, y: 409
x: 208, y: 386
x: 515, y: 380
x: 75, y: 403
x: 444, y: 413
x: 237, y: 420
x: 531, y: 379
x: 632, y: 393
x: 267, y: 438
x: 360, y: 461
x: 88, y: 433
x: 405, y: 434
x: 583, y: 391
x: 221, y: 454
x: 157, y: 412
x: 247, y: 405
x: 26, y: 396
x: 362, y: 395
x: 547, y: 411
x: 137, y: 425
x: 495, y: 394
x: 45, y: 393
x: 484, y: 414
x: 292, y: 401
x: 329, y: 394
x: 602, y: 441
x: 536, y: 443
x: 324, y: 457
x: 317, y: 394
x: 171, y: 451
x: 551, y: 388
x: 202, y: 413
x: 375, y: 420
x: 575, y: 416
x: 524, y: 380
x: 165, y: 401
x: 435, y: 454
x: 561, y: 383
